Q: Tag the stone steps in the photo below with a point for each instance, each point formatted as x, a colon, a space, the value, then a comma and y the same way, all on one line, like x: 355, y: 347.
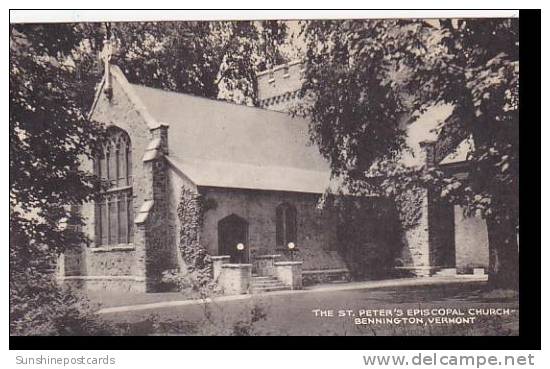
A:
x: 266, y: 284
x: 268, y: 289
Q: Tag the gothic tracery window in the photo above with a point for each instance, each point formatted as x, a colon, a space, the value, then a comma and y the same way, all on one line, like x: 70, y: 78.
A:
x: 114, y: 206
x: 285, y: 224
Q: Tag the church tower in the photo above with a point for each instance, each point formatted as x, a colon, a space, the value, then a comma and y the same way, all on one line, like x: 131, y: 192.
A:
x: 278, y: 88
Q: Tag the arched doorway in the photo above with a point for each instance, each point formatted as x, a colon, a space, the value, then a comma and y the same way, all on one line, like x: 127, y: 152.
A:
x: 233, y: 230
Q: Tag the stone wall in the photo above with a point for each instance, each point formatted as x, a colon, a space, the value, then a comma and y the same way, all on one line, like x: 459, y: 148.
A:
x: 471, y: 240
x: 112, y: 283
x: 363, y: 242
x: 234, y: 279
x: 175, y: 184
x: 142, y: 261
x: 264, y: 265
x: 113, y: 261
x: 290, y: 273
x: 316, y: 229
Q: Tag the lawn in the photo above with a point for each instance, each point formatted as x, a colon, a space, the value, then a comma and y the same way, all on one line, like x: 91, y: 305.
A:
x: 310, y: 313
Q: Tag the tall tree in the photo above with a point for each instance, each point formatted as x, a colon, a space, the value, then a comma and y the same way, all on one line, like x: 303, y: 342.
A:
x: 210, y: 59
x: 48, y: 135
x: 273, y: 35
x: 366, y: 76
x: 48, y: 131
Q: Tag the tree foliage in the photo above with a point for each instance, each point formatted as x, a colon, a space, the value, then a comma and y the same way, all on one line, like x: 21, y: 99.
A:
x: 49, y: 135
x: 370, y: 78
x: 209, y: 59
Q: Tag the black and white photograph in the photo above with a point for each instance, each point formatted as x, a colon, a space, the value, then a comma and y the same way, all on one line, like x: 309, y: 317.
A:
x: 265, y: 177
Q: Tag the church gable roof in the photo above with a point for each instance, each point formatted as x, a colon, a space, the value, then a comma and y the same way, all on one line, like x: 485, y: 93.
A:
x: 216, y: 143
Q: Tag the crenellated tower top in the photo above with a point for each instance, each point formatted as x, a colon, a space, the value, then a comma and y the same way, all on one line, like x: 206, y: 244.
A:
x: 278, y: 87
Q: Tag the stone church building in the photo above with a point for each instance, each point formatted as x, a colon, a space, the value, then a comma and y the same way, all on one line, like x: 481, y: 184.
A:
x: 259, y: 180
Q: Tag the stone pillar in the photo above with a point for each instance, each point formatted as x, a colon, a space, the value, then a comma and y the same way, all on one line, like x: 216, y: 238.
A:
x: 265, y: 264
x: 217, y: 262
x: 416, y: 252
x: 290, y: 273
x: 235, y: 278
x: 158, y: 246
x: 161, y: 132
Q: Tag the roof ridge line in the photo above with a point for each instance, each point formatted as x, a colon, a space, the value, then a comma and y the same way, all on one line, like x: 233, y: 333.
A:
x: 215, y: 100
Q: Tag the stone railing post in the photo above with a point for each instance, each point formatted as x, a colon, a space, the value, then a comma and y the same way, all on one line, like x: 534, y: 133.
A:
x: 235, y: 278
x: 290, y: 273
x: 265, y: 264
x: 217, y: 262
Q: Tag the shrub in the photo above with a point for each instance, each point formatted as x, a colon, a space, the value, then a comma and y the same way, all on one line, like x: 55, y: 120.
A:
x: 191, y: 283
x: 39, y: 306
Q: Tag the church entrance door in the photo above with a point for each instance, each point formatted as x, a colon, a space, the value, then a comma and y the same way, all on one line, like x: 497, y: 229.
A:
x: 442, y: 235
x: 232, y: 231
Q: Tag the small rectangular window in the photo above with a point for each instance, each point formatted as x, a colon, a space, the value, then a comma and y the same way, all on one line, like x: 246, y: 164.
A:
x: 285, y: 224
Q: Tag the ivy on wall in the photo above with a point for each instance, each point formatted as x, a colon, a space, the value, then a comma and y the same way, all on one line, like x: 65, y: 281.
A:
x: 195, y: 256
x: 409, y: 207
x: 366, y: 235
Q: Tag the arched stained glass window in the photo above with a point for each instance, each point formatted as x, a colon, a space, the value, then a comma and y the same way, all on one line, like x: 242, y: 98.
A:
x: 114, y: 205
